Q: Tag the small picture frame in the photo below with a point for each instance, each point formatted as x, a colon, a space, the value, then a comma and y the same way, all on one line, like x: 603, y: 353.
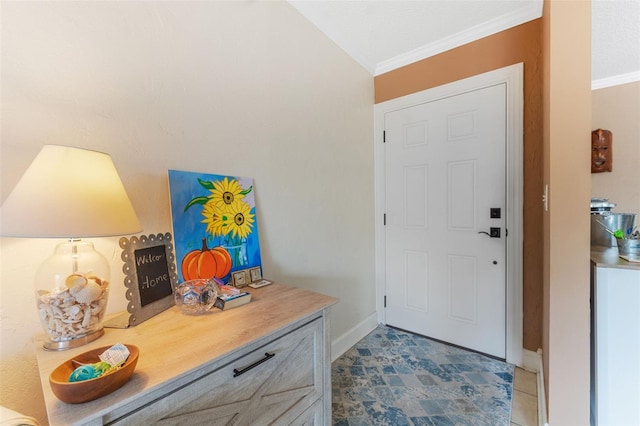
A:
x: 240, y: 278
x: 255, y: 274
x: 150, y: 275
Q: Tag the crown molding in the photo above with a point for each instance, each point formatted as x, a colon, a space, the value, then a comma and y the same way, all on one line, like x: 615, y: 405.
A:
x: 615, y: 80
x: 528, y: 12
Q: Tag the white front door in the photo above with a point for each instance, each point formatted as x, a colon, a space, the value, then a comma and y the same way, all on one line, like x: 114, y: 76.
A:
x: 445, y: 193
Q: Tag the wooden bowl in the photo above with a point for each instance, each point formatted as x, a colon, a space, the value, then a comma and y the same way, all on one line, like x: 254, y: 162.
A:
x: 88, y: 390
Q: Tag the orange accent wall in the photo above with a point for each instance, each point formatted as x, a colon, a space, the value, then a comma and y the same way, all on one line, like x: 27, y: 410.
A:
x: 519, y: 44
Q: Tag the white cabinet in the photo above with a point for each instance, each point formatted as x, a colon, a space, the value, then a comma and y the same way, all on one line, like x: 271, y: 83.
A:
x: 267, y: 362
x: 615, y: 350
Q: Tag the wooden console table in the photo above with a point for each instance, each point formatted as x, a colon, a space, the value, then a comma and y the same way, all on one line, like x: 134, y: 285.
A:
x: 185, y: 373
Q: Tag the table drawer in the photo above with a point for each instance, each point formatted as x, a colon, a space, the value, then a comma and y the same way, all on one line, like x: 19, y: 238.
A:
x: 275, y: 383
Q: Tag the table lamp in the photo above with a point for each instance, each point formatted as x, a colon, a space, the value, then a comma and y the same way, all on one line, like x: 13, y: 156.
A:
x: 70, y: 193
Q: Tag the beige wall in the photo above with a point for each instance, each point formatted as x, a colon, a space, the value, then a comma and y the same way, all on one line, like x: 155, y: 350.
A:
x: 618, y: 109
x: 567, y: 126
x: 519, y: 44
x: 241, y: 88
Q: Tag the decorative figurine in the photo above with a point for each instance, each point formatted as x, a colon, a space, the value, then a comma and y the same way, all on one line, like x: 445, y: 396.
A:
x: 601, y: 152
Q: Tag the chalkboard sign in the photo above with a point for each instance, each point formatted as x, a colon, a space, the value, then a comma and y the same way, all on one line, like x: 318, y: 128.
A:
x: 150, y: 275
x: 153, y: 274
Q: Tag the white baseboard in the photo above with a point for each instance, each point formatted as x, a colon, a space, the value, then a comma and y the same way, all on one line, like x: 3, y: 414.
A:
x: 532, y: 361
x: 353, y: 336
x: 542, y: 400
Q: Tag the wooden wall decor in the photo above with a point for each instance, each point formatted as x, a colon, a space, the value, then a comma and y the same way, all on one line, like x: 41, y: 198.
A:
x: 601, y: 151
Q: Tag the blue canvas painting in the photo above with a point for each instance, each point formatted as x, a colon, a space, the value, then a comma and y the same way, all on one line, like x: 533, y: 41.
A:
x: 215, y: 225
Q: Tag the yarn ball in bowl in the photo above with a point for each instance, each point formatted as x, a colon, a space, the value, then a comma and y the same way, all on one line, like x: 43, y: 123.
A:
x: 75, y: 392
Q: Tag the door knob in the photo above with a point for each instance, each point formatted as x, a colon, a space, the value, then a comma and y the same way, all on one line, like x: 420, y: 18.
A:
x: 493, y: 232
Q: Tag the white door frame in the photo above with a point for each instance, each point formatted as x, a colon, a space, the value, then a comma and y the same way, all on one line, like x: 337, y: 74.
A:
x: 513, y: 77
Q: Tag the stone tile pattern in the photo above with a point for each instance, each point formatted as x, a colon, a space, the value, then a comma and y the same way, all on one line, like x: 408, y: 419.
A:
x: 392, y: 377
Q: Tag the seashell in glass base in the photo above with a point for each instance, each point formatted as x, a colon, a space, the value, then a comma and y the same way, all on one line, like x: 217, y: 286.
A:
x: 72, y: 290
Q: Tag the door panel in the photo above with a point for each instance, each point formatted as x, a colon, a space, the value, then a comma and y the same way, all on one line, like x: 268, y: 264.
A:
x: 444, y: 171
x: 416, y: 283
x: 461, y: 195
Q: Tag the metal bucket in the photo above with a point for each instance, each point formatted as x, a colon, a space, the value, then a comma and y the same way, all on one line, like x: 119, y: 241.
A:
x: 629, y: 247
x: 613, y: 222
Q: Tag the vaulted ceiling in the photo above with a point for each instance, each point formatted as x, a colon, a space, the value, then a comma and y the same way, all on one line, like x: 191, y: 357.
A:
x: 384, y: 35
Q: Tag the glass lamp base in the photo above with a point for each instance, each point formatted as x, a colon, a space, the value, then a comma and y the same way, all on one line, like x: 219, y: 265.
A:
x: 72, y: 289
x: 73, y: 343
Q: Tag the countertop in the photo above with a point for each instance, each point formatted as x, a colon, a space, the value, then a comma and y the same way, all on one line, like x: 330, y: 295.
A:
x: 607, y: 257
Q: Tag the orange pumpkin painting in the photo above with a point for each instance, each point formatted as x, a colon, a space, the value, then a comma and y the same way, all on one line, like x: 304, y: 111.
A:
x: 215, y: 225
x: 206, y: 263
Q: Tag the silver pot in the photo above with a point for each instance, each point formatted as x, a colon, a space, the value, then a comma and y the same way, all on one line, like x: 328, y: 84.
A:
x: 599, y: 205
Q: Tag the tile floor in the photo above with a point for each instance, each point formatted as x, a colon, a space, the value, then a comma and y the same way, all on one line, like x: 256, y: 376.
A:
x: 392, y: 377
x: 524, y: 405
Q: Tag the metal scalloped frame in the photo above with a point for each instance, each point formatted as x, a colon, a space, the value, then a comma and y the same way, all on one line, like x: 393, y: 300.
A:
x: 139, y: 313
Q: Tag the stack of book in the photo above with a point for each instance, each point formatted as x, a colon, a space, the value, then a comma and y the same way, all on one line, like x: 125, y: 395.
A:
x: 230, y: 297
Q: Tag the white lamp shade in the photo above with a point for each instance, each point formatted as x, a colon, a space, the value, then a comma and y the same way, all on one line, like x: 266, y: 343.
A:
x: 69, y: 193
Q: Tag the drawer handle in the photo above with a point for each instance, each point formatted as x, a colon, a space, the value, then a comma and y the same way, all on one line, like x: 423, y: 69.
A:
x: 267, y: 357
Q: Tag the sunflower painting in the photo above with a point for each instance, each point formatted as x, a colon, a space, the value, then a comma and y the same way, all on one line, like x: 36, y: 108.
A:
x: 215, y: 227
